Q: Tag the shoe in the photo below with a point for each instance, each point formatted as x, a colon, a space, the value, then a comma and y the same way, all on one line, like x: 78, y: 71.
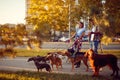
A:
x: 77, y: 66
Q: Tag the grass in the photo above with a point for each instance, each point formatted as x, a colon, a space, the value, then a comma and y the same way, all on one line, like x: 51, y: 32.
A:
x: 27, y: 75
x: 42, y: 52
x: 32, y: 52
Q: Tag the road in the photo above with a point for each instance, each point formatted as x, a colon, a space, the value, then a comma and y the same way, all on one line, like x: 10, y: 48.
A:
x: 20, y: 64
x: 64, y: 45
x: 85, y: 45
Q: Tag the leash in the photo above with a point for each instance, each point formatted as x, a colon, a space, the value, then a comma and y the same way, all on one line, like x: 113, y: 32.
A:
x: 101, y: 47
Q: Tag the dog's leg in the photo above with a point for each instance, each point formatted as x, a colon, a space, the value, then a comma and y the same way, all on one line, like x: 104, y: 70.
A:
x: 38, y: 69
x: 96, y: 72
x: 116, y: 73
x: 72, y: 61
x: 113, y: 69
x: 49, y: 70
x: 57, y: 66
x: 113, y: 72
x: 117, y: 70
x: 85, y: 62
x: 72, y: 67
x: 52, y: 67
x: 68, y: 60
x: 61, y: 66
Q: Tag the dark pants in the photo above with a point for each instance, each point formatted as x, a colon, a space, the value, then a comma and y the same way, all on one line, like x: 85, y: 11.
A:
x: 94, y: 45
x: 71, y: 50
x: 78, y: 64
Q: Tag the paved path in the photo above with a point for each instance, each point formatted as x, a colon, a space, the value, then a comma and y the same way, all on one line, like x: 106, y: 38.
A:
x: 63, y: 45
x: 85, y: 45
x: 20, y: 64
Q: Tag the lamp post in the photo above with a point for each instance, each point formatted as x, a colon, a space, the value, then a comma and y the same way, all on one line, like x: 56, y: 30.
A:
x: 103, y: 3
x: 69, y: 13
x: 69, y: 20
x: 76, y: 3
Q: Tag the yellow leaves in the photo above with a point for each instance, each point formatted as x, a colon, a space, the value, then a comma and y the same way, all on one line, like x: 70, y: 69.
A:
x: 13, y: 76
x: 57, y: 27
x: 30, y: 11
x: 105, y: 22
x: 35, y: 27
x: 44, y: 11
x: 102, y: 21
x: 46, y: 7
x: 106, y: 40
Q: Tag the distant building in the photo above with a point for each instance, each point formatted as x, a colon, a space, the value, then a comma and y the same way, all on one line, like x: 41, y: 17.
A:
x: 29, y: 27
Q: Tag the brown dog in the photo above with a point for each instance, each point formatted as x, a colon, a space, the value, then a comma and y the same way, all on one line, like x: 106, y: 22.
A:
x: 76, y: 59
x: 54, y: 59
x: 98, y: 61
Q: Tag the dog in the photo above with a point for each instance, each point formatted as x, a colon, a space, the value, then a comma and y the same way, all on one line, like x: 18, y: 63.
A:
x: 42, y: 58
x: 98, y: 61
x: 63, y: 56
x: 79, y: 56
x: 54, y: 59
x: 40, y: 65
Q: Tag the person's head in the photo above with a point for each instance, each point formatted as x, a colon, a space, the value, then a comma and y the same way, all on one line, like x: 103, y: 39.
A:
x: 81, y: 25
x: 92, y: 21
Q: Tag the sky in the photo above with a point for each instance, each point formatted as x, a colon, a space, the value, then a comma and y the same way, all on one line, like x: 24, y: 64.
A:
x: 12, y: 11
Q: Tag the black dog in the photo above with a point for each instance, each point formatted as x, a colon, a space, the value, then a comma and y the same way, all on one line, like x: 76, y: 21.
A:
x: 42, y: 58
x: 71, y: 50
x: 40, y: 65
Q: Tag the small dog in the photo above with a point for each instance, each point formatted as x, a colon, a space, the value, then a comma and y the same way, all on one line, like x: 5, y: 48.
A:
x: 54, y: 59
x: 41, y: 58
x: 40, y: 65
x: 98, y: 61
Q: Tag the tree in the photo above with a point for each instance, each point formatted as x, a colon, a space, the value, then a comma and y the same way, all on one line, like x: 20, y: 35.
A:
x: 54, y: 14
x: 6, y: 35
x: 48, y: 14
x: 12, y: 35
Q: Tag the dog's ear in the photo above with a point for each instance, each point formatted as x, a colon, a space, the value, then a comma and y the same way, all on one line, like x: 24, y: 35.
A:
x: 91, y: 53
x: 30, y: 59
x: 86, y: 54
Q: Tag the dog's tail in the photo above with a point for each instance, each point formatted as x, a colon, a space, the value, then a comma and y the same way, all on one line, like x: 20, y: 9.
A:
x: 49, y: 69
x: 117, y: 64
x: 117, y: 68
